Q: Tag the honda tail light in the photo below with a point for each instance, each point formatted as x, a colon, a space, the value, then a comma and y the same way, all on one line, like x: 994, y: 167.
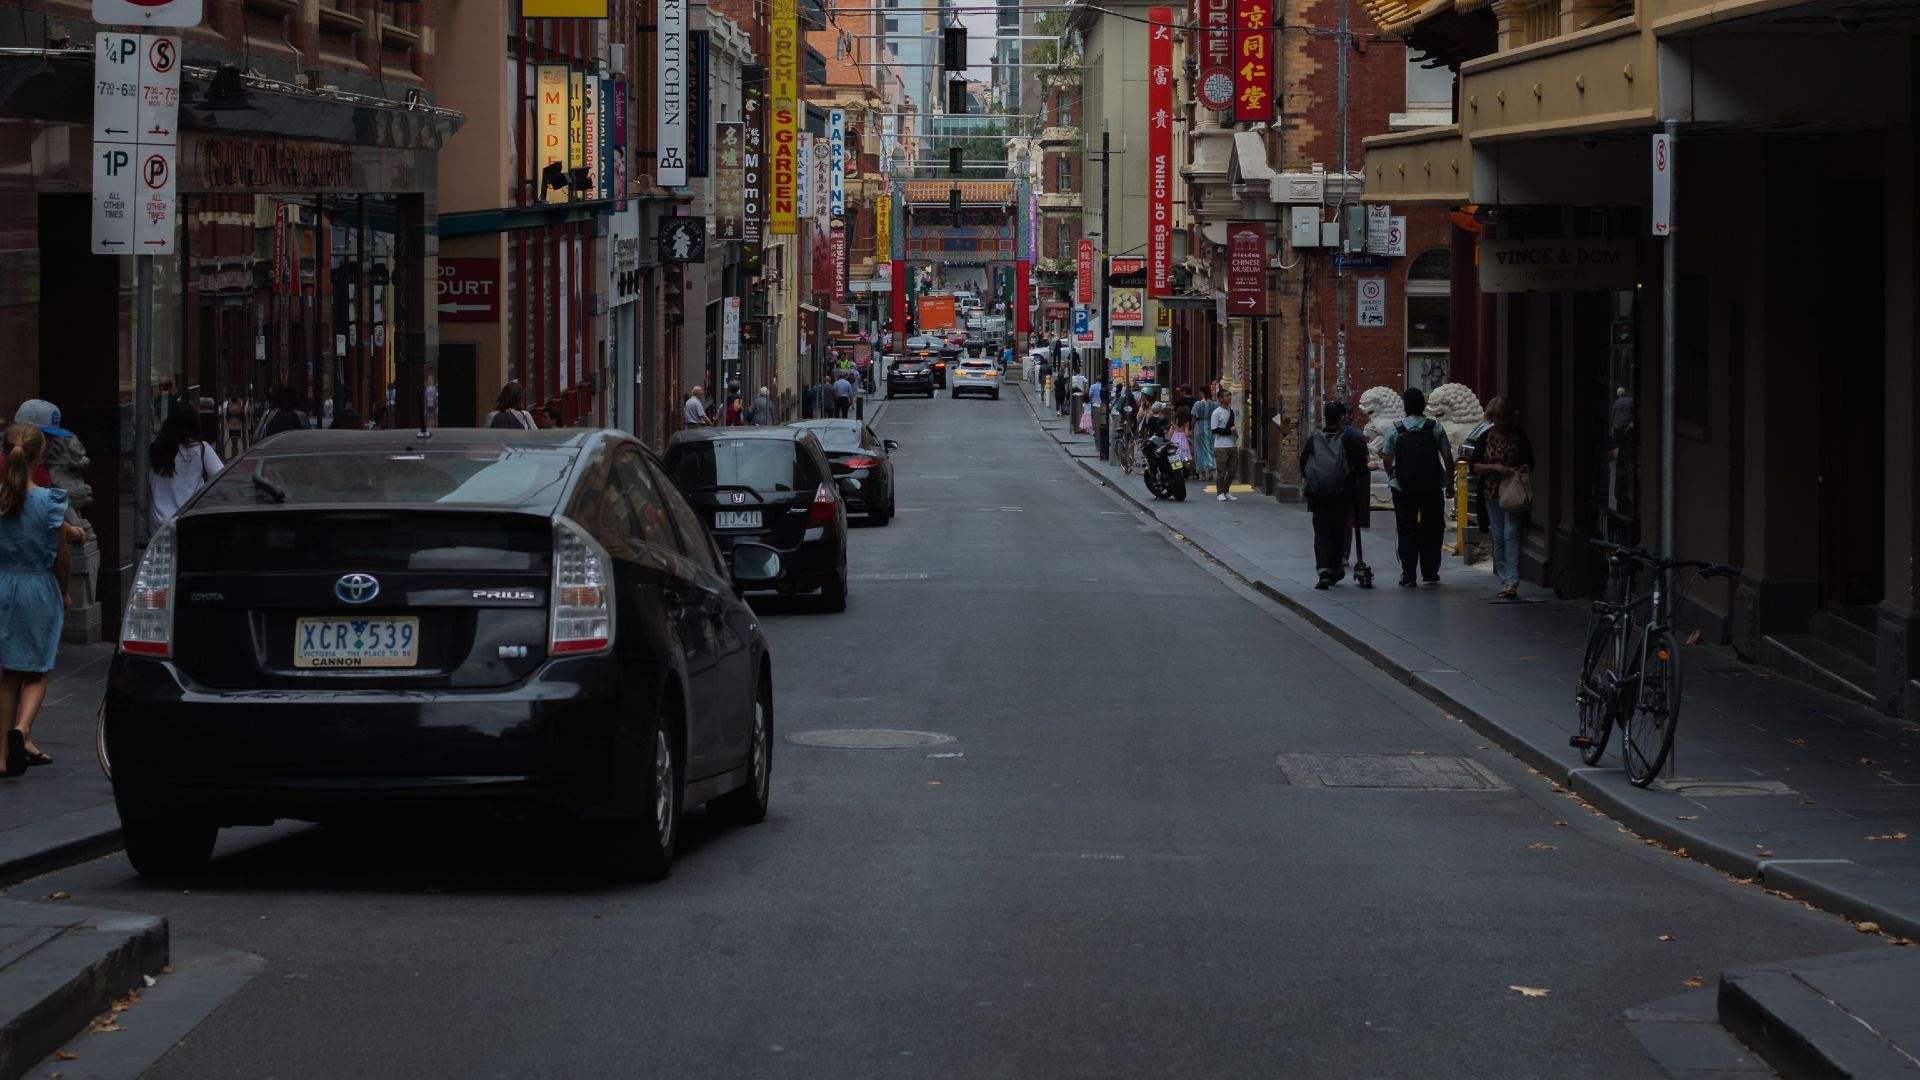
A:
x: 860, y: 462
x: 825, y: 506
x: 147, y: 629
x: 582, y: 598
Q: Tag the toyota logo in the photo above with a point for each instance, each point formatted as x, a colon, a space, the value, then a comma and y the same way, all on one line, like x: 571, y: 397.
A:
x: 356, y: 588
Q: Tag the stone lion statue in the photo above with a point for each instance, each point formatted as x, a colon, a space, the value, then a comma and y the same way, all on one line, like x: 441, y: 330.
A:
x: 1382, y: 408
x: 1457, y: 409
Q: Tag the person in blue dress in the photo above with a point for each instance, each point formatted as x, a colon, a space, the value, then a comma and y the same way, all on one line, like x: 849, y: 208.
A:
x: 33, y: 589
x: 1203, y: 434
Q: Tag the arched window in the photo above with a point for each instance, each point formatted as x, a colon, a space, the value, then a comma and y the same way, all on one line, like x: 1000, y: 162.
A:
x: 1429, y: 314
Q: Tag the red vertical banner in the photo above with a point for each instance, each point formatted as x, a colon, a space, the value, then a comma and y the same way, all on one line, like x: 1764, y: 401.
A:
x: 899, y: 301
x: 1083, y: 274
x: 1159, y: 150
x: 1253, y: 61
x: 1247, y: 268
x: 1022, y: 270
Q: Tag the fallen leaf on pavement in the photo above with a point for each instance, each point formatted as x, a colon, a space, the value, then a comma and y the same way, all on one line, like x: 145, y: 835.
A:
x: 1692, y: 983
x: 1866, y: 761
x: 60, y: 895
x: 1562, y: 824
x: 1696, y: 638
x: 1764, y: 853
x: 1528, y: 991
x: 1866, y: 927
x: 1799, y: 742
x: 936, y: 783
x: 1679, y: 853
x: 1808, y: 802
x: 1538, y: 846
x: 1687, y: 817
x: 1889, y: 836
x: 1666, y: 937
x: 65, y: 1055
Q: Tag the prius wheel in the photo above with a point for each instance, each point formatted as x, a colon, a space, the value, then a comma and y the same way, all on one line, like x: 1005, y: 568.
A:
x: 642, y: 848
x: 163, y: 846
x: 747, y: 804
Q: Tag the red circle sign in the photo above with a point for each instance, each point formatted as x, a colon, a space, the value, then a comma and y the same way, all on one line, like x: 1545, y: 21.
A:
x: 155, y: 171
x: 1216, y: 89
x: 161, y: 55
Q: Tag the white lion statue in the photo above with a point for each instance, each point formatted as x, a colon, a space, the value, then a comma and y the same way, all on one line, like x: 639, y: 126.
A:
x: 1457, y: 409
x: 1383, y: 408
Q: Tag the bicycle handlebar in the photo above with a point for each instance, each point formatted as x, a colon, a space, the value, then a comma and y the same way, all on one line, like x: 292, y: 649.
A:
x: 1703, y: 568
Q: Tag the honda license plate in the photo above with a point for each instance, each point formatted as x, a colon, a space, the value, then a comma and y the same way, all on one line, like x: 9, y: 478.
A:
x: 737, y: 519
x: 356, y: 643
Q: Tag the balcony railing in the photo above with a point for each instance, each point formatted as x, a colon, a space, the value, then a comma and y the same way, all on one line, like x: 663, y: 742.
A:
x: 1433, y: 165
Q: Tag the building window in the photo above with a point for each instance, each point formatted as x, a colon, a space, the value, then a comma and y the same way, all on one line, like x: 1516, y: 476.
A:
x: 893, y: 50
x: 893, y: 26
x: 1428, y: 87
x: 1066, y: 173
x: 1429, y: 318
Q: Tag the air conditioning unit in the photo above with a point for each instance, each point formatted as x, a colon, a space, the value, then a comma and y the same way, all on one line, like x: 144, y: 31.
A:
x: 619, y: 61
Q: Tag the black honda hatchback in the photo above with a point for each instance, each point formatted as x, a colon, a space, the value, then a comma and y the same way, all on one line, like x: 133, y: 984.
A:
x: 770, y: 486
x: 354, y: 622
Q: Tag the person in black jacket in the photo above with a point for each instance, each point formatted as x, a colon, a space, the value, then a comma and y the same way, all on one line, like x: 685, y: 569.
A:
x: 1338, y: 509
x: 1419, y: 461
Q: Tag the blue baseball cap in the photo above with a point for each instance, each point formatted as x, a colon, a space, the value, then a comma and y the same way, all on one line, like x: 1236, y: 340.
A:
x: 44, y: 415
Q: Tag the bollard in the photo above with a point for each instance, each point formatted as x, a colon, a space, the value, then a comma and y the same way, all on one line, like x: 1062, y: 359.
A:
x: 1460, y: 506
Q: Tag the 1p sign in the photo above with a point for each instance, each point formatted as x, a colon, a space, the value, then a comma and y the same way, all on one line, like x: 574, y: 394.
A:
x: 147, y: 12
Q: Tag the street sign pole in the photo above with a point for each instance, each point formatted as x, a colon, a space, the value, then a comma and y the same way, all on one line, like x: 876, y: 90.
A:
x: 142, y: 399
x: 1669, y: 279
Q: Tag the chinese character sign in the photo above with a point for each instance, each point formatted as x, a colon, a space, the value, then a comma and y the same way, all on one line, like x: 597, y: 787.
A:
x: 1083, y: 274
x: 753, y: 165
x: 1159, y: 149
x: 883, y: 227
x: 1253, y: 61
x: 785, y: 104
x: 729, y: 189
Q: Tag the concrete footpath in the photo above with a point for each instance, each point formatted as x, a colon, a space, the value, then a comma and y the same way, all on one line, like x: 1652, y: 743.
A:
x: 60, y: 814
x: 1798, y: 790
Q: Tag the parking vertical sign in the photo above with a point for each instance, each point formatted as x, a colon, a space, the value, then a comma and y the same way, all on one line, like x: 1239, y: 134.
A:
x: 136, y: 120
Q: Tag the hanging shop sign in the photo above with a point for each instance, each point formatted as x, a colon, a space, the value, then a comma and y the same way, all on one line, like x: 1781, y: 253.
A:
x: 1215, y: 19
x: 617, y: 153
x: 564, y: 9
x: 839, y: 248
x: 682, y: 239
x: 590, y: 133
x: 1247, y: 268
x: 1126, y: 292
x: 729, y: 199
x: 1159, y: 150
x: 753, y: 158
x: 1554, y: 265
x: 803, y: 191
x: 576, y: 123
x: 783, y: 135
x: 883, y: 227
x: 1083, y: 274
x: 670, y: 82
x: 836, y: 163
x: 730, y: 328
x: 822, y: 180
x: 550, y: 127
x: 1253, y: 61
x: 697, y: 105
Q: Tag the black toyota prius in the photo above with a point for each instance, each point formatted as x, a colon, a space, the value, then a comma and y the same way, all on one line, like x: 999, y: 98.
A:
x: 345, y: 623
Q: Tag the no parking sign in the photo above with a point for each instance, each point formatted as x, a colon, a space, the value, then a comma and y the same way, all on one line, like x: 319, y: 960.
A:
x: 1373, y: 302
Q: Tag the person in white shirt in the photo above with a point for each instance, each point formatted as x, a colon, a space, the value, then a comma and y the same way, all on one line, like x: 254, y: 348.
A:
x: 179, y: 464
x: 1226, y: 446
x: 697, y: 409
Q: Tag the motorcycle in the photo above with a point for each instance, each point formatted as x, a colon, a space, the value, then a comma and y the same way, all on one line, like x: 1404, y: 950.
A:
x: 1166, y: 474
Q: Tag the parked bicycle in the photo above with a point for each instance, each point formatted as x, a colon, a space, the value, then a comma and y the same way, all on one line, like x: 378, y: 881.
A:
x: 1631, y: 672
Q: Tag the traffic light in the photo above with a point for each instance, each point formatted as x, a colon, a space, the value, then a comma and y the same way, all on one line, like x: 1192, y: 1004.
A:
x: 953, y: 199
x: 676, y: 296
x: 955, y: 160
x: 957, y: 97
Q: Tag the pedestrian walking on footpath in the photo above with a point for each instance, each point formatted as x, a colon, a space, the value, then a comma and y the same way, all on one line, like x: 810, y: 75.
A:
x: 1126, y: 415
x: 1060, y: 389
x: 510, y: 410
x: 1226, y: 446
x: 1419, y: 459
x: 1504, y: 464
x: 763, y: 409
x: 696, y: 408
x: 842, y: 396
x: 736, y: 411
x: 285, y: 415
x: 1202, y: 412
x: 34, y: 568
x: 1333, y: 468
x: 178, y: 464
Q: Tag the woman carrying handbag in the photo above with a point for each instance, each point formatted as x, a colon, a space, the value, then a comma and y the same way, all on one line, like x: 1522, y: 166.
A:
x: 1505, y: 468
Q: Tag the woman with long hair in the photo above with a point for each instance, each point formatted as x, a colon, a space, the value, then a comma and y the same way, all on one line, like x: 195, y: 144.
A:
x: 33, y: 588
x: 510, y: 409
x: 1506, y: 453
x: 178, y: 463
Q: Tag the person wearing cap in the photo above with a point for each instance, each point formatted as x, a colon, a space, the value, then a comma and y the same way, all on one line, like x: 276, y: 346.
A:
x: 44, y: 415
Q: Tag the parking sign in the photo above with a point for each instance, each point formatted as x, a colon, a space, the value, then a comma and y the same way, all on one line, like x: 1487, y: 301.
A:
x: 148, y: 12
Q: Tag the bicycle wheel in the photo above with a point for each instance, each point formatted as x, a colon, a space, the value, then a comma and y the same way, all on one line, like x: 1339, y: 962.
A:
x: 1599, y: 687
x: 1648, y: 738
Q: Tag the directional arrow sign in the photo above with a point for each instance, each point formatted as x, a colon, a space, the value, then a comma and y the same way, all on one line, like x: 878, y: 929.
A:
x: 448, y: 309
x: 1247, y: 267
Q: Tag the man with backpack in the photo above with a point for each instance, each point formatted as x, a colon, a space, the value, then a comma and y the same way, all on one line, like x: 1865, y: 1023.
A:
x: 1419, y: 461
x: 1333, y: 468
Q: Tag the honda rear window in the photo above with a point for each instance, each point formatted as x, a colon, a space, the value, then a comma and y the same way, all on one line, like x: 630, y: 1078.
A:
x: 524, y: 480
x: 759, y: 464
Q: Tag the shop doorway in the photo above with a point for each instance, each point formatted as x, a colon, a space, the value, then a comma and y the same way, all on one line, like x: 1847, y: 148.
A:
x: 1852, y: 419
x: 459, y: 384
x: 1429, y: 319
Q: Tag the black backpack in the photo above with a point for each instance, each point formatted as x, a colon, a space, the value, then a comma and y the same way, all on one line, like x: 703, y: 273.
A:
x: 1326, y: 474
x: 1416, y: 459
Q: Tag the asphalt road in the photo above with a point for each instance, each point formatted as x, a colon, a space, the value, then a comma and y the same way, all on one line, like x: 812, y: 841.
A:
x: 1104, y: 873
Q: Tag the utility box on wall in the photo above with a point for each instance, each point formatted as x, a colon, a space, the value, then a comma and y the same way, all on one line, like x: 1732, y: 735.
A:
x: 1304, y: 226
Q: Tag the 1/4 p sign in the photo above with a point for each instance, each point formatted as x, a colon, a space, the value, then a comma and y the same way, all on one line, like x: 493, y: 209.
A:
x: 148, y: 12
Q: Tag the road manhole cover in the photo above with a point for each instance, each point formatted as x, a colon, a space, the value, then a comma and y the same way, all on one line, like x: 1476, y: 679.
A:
x: 868, y: 738
x: 1402, y: 772
x: 1706, y: 789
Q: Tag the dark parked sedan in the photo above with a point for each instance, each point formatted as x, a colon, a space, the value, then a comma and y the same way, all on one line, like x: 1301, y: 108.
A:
x: 860, y: 463
x: 768, y: 486
x: 910, y: 374
x: 345, y: 623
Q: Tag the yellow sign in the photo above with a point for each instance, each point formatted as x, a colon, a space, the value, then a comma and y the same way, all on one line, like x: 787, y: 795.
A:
x: 1163, y: 317
x: 576, y: 121
x: 783, y: 134
x: 1130, y: 353
x: 883, y: 228
x: 564, y: 9
x: 550, y: 90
